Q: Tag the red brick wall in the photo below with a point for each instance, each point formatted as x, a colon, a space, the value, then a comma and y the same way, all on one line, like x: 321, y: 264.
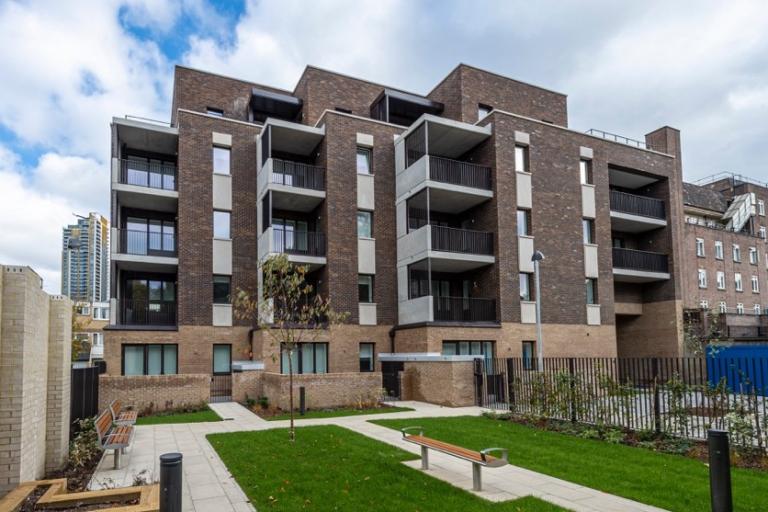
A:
x: 323, y: 390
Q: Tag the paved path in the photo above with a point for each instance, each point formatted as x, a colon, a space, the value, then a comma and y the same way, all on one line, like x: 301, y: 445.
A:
x: 208, y: 486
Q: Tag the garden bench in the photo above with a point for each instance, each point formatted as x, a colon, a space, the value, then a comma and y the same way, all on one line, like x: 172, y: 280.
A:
x: 113, y: 437
x: 478, y: 459
x: 121, y: 417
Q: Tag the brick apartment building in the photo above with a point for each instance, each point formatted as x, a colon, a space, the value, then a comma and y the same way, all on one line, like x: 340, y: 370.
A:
x: 417, y: 214
x: 725, y: 243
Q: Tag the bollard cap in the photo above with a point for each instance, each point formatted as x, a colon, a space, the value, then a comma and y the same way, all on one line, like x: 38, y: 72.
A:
x: 714, y: 432
x: 170, y: 459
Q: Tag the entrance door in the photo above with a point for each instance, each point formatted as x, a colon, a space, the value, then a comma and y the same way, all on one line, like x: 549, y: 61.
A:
x: 390, y: 376
x: 221, y: 378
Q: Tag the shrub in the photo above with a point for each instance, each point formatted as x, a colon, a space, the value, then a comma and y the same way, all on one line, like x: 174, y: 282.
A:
x: 85, y: 446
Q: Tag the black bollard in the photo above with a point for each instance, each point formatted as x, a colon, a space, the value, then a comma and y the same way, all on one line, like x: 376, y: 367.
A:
x: 302, y: 401
x: 719, y: 471
x: 170, y: 482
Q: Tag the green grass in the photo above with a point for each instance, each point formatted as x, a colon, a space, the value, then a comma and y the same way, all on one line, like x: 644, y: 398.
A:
x: 332, y: 468
x: 179, y: 417
x: 335, y: 413
x: 671, y: 482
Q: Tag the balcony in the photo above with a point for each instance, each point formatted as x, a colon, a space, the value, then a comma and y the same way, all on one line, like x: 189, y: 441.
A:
x: 449, y: 249
x: 149, y: 174
x: 633, y: 266
x: 462, y: 310
x: 302, y: 247
x: 295, y: 186
x: 144, y: 250
x: 146, y: 313
x: 633, y: 213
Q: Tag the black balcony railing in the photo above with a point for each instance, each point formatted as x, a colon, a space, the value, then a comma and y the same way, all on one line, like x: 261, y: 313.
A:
x: 456, y: 172
x: 307, y: 243
x: 147, y: 312
x: 461, y: 240
x: 160, y: 175
x: 296, y: 174
x: 637, y: 205
x: 464, y: 309
x: 631, y: 259
x: 146, y: 243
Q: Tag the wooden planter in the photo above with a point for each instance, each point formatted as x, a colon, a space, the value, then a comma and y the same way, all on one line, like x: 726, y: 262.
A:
x: 57, y: 497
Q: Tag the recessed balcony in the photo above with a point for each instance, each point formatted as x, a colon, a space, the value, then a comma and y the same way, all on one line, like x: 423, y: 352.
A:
x: 144, y: 250
x: 633, y: 266
x: 449, y: 249
x: 633, y: 213
x: 143, y: 313
x: 295, y: 186
x: 442, y: 309
x: 301, y: 247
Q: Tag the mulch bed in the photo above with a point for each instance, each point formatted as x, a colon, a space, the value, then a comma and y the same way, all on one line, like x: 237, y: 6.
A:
x: 78, y: 477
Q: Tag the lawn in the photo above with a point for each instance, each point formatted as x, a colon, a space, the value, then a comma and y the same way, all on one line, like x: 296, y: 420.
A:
x: 332, y: 468
x: 671, y: 482
x: 179, y: 417
x: 335, y: 413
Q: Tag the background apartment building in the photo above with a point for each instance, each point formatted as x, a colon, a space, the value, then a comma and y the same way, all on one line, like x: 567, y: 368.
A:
x: 417, y: 214
x: 85, y: 259
x: 725, y: 243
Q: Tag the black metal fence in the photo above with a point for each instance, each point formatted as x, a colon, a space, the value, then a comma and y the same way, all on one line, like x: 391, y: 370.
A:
x: 221, y: 387
x: 461, y: 173
x: 297, y: 174
x: 151, y: 174
x: 147, y: 312
x: 632, y: 259
x: 637, y: 205
x: 145, y: 242
x: 464, y: 309
x: 308, y: 243
x: 461, y: 240
x: 84, y: 396
x: 678, y: 396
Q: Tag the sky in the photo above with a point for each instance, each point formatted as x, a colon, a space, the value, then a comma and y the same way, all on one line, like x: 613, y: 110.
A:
x: 627, y: 68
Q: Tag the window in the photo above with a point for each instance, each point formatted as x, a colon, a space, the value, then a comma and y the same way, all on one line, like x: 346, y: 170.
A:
x: 222, y: 359
x: 221, y: 225
x: 588, y: 229
x: 529, y: 355
x: 704, y: 304
x: 220, y: 160
x: 720, y: 280
x: 98, y: 339
x: 211, y: 111
x: 739, y: 308
x: 523, y: 222
x: 736, y: 253
x: 585, y: 172
x: 366, y: 357
x: 150, y: 359
x: 700, y: 247
x: 343, y: 110
x: 755, y: 284
x: 761, y: 232
x: 718, y: 250
x: 757, y: 309
x: 617, y: 242
x: 723, y: 307
x: 365, y: 288
x: 591, y: 285
x: 483, y: 110
x: 221, y: 289
x: 737, y: 278
x: 306, y: 358
x: 761, y: 207
x: 753, y: 255
x: 364, y: 161
x: 526, y: 287
x: 702, y: 278
x: 364, y: 224
x: 521, y: 158
x: 469, y: 348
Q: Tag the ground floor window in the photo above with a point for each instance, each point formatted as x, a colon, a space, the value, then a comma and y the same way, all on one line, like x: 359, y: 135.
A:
x: 306, y: 358
x: 469, y: 348
x: 529, y: 355
x: 150, y: 359
x: 366, y: 357
x: 222, y: 359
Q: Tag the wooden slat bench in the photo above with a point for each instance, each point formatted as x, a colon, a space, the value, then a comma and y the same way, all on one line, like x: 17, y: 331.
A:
x: 121, y: 417
x: 478, y: 459
x: 113, y: 437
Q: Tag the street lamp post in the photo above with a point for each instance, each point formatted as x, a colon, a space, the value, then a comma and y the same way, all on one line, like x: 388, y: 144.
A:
x: 537, y: 257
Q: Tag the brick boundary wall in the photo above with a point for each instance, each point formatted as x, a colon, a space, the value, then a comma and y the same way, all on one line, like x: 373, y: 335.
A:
x: 323, y: 390
x: 159, y: 392
x: 448, y: 383
x: 247, y: 384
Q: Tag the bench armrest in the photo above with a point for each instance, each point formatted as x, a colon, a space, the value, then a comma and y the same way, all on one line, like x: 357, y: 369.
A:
x: 406, y: 429
x: 503, y: 451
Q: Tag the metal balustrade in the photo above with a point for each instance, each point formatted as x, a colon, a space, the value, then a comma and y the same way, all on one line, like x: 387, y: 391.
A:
x: 146, y: 243
x: 461, y: 240
x: 297, y: 174
x: 147, y: 312
x: 646, y: 261
x: 307, y: 243
x: 637, y: 205
x: 461, y: 173
x: 150, y: 174
x: 464, y: 309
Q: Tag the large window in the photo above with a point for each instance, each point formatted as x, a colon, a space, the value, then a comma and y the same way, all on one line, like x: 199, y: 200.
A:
x: 365, y: 288
x: 221, y: 225
x: 364, y: 224
x: 366, y: 357
x: 364, y: 161
x: 591, y: 285
x: 144, y: 236
x: 221, y: 289
x: 221, y: 160
x: 469, y: 348
x: 307, y: 358
x: 521, y: 158
x: 150, y: 359
x: 526, y: 288
x: 523, y: 222
x: 222, y: 359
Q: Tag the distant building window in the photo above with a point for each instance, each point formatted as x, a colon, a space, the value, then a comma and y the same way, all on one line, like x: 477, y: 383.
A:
x: 739, y: 308
x: 306, y: 358
x: 758, y: 309
x: 700, y: 247
x: 221, y: 160
x: 523, y: 222
x: 753, y: 258
x: 737, y: 279
x: 483, y: 110
x: 591, y: 285
x: 761, y: 232
x: 736, y: 253
x: 588, y: 229
x: 150, y: 359
x: 718, y: 250
x: 755, y: 284
x: 761, y: 207
x: 221, y: 222
x: 526, y: 287
x: 366, y: 357
x: 211, y: 111
x: 723, y: 307
x: 364, y: 224
x: 521, y: 159
x: 365, y: 288
x: 585, y: 172
x: 704, y: 304
x: 221, y: 289
x: 720, y: 280
x: 702, y: 278
x: 364, y: 161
